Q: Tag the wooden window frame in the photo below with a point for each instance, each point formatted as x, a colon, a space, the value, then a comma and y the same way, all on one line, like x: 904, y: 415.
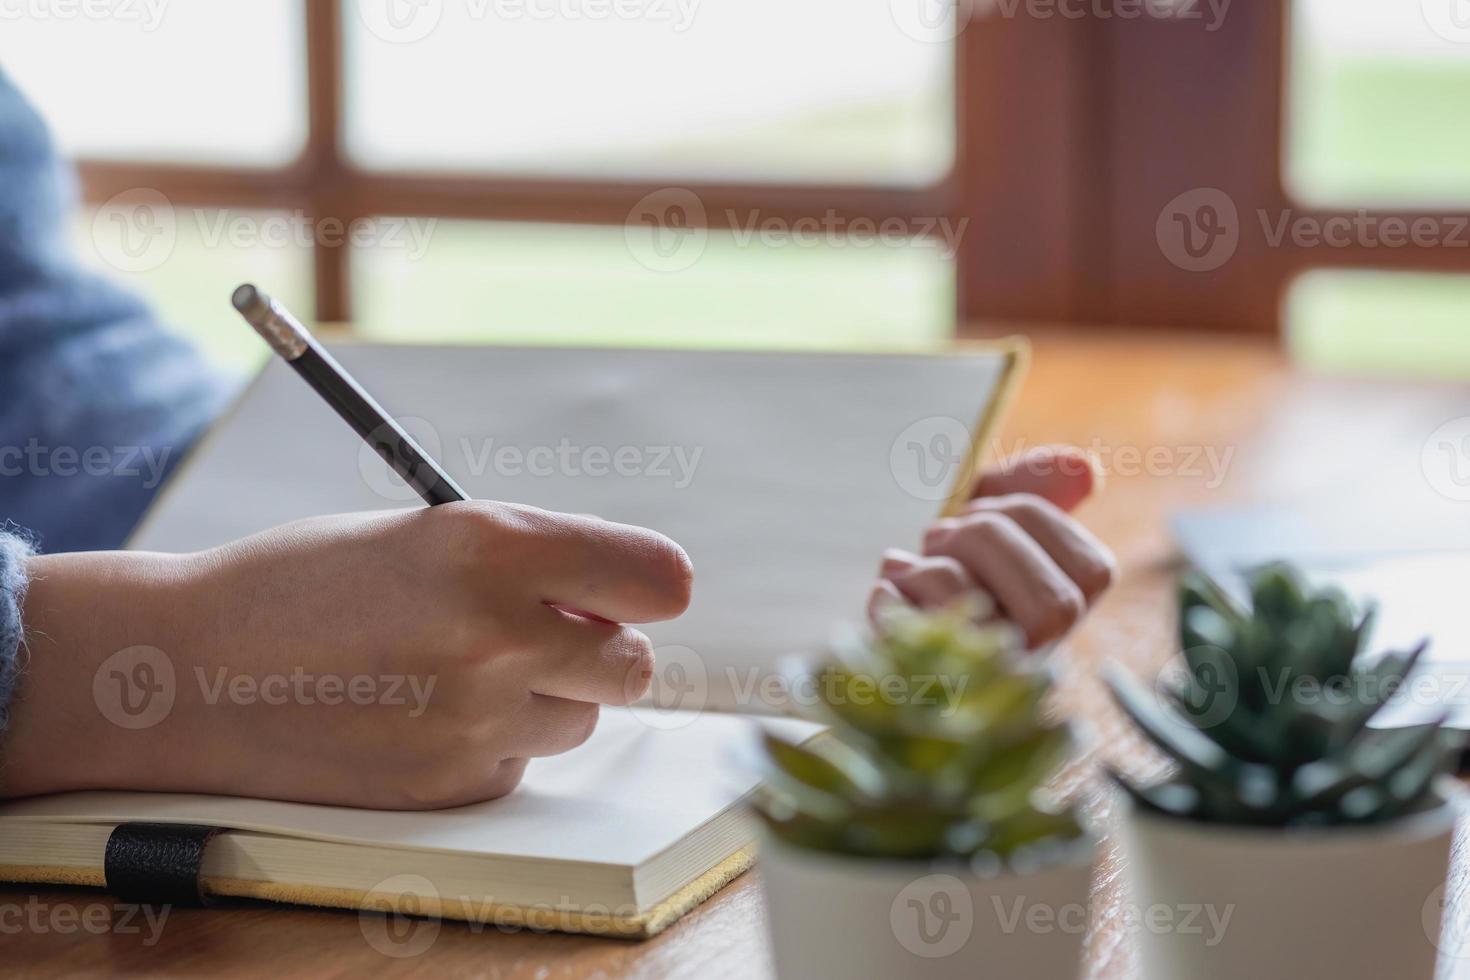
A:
x: 1072, y: 135
x: 1108, y: 120
x: 323, y: 182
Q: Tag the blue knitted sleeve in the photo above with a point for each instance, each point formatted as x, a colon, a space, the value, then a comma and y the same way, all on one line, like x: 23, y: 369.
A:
x: 13, y: 554
x: 98, y: 399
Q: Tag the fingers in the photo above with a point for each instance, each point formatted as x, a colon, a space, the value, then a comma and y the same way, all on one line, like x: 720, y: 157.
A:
x: 619, y: 572
x: 585, y: 660
x: 1030, y: 588
x: 616, y: 572
x: 555, y: 725
x: 1063, y: 475
x: 927, y: 582
x: 1084, y: 559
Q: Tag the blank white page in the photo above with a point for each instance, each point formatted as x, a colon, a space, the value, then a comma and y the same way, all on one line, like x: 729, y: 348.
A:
x: 783, y: 475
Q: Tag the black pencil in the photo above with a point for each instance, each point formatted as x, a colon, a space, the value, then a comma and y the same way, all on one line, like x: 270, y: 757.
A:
x: 288, y: 338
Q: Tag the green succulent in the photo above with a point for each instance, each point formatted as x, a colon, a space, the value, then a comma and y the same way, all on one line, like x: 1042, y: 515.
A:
x: 1269, y: 725
x: 936, y: 747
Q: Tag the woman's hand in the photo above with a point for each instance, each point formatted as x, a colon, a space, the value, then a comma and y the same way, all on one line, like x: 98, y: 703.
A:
x: 401, y: 660
x: 1014, y: 541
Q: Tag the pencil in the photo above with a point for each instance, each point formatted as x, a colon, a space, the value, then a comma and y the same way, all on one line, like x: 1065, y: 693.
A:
x: 295, y: 344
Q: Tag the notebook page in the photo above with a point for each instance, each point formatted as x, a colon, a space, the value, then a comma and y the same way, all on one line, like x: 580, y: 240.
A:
x: 643, y: 782
x: 783, y: 476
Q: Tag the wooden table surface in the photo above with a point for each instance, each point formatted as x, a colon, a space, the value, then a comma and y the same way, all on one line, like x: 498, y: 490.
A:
x: 1166, y: 414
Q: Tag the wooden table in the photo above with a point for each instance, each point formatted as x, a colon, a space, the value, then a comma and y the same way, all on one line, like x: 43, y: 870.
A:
x: 1154, y: 407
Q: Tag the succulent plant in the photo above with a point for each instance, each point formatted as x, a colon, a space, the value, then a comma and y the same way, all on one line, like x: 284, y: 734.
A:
x: 1269, y: 725
x: 936, y: 747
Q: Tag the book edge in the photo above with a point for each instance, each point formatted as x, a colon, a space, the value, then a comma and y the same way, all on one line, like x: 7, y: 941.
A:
x: 644, y: 924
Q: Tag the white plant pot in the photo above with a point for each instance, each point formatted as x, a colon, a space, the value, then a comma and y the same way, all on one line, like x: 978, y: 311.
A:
x: 1212, y: 902
x: 843, y: 917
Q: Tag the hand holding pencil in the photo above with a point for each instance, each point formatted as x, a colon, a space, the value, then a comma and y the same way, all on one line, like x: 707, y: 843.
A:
x: 402, y: 660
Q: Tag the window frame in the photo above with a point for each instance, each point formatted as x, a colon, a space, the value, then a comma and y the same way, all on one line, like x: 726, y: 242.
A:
x: 1112, y: 118
x: 1072, y: 135
x: 323, y: 182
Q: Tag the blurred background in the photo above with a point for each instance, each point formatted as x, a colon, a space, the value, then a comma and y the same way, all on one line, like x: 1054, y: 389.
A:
x: 808, y: 173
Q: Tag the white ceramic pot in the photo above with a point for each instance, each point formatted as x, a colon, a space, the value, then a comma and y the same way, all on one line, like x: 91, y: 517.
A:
x: 842, y: 917
x: 1213, y: 902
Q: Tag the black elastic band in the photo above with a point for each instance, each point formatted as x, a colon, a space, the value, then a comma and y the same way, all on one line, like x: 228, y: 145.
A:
x: 157, y: 863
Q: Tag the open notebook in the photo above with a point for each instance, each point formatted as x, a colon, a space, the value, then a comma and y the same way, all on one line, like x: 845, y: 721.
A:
x: 620, y: 837
x: 783, y: 475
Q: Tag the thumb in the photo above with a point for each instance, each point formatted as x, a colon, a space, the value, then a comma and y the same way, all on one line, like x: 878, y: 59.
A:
x: 1064, y: 475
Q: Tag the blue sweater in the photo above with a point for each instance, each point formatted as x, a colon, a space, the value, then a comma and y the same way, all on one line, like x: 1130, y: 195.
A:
x: 98, y: 401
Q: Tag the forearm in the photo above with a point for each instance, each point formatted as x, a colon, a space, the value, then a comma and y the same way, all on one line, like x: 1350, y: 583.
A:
x: 70, y: 709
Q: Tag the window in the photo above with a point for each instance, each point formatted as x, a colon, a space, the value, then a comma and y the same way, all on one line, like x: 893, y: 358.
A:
x: 1182, y: 168
x: 483, y: 168
x: 583, y: 284
x: 1378, y: 105
x: 767, y: 90
x: 1378, y: 130
x: 195, y: 83
x: 847, y: 173
x: 1369, y: 322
